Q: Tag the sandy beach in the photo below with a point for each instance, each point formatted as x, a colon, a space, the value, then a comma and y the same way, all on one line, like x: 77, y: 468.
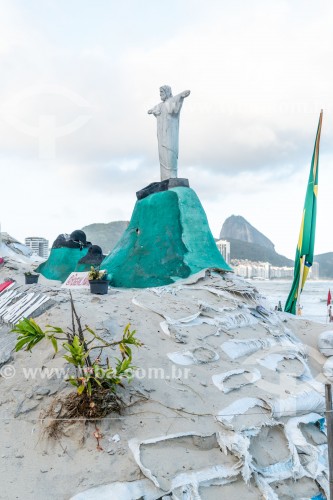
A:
x: 217, y: 372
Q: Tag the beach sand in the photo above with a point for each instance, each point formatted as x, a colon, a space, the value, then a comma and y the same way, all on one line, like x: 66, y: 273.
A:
x: 188, y: 432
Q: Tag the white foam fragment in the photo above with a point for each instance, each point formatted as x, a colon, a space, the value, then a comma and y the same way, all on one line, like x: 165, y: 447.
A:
x: 184, y: 478
x: 238, y: 348
x: 304, y: 402
x: 325, y: 343
x: 186, y: 358
x: 134, y: 490
x: 251, y: 377
x: 328, y: 369
x: 241, y: 406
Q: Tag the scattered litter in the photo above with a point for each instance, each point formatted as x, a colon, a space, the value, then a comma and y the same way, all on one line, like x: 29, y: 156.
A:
x: 133, y: 490
x: 328, y: 369
x: 325, y: 343
x: 304, y: 402
x: 201, y: 453
x: 198, y: 355
x: 246, y: 413
x: 230, y: 381
x: 14, y: 305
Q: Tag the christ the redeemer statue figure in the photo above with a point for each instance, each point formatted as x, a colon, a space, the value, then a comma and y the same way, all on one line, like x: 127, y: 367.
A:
x: 167, y: 114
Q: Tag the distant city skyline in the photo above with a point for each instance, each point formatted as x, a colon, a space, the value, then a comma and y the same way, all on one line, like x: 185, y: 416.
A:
x: 76, y: 141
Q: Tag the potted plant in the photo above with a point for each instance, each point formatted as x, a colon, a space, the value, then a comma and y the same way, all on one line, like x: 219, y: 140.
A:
x: 98, y: 281
x: 31, y: 277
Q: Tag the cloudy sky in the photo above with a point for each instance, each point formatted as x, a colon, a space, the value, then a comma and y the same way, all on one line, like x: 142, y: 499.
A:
x: 77, y: 79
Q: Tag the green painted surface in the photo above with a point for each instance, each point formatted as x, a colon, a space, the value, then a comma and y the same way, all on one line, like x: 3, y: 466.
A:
x: 61, y: 263
x: 168, y: 238
x: 82, y: 268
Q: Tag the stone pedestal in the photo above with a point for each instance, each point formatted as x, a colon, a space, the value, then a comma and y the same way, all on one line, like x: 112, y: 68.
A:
x: 157, y: 187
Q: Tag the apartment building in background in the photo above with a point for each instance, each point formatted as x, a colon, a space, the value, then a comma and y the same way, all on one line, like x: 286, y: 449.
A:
x: 38, y: 246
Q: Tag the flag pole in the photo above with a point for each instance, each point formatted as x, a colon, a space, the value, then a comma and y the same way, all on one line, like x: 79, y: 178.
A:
x: 300, y: 285
x: 329, y: 426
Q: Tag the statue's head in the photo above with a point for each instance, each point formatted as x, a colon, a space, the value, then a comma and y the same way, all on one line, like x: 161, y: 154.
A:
x: 165, y: 92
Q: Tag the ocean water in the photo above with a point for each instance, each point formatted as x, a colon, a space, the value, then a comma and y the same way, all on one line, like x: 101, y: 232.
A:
x: 313, y: 298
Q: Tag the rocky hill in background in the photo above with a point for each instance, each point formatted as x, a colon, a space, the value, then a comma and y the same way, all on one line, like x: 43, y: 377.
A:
x: 105, y: 235
x: 237, y: 228
x: 246, y: 242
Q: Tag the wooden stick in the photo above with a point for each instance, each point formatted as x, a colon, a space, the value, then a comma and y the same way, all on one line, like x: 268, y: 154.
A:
x: 329, y: 424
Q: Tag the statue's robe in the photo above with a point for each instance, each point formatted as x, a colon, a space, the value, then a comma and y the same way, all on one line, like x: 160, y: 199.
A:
x: 167, y: 115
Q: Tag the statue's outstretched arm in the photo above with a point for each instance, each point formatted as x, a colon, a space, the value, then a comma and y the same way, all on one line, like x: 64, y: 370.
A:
x: 186, y: 93
x: 154, y: 111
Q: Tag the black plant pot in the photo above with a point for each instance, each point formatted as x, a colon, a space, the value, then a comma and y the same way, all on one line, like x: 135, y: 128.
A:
x: 31, y: 278
x: 99, y: 286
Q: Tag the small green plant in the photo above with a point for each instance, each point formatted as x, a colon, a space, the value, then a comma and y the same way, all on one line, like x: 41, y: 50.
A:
x: 80, y: 344
x: 31, y: 273
x: 96, y: 274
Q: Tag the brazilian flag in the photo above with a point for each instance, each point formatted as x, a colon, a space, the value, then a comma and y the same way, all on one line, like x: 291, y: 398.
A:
x: 306, y: 240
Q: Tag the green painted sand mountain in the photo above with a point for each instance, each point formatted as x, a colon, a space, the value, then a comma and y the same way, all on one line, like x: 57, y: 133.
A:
x: 168, y: 238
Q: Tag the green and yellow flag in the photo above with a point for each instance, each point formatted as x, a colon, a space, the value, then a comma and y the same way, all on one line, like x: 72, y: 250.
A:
x: 305, y: 246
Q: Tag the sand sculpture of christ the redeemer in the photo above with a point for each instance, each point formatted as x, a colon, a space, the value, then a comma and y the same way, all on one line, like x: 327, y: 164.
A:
x: 167, y: 114
x: 168, y: 237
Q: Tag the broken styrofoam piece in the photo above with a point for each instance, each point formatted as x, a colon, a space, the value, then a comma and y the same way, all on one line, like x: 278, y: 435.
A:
x: 165, y: 328
x: 199, y: 355
x: 235, y: 489
x: 235, y: 319
x: 222, y: 293
x: 264, y: 487
x: 325, y: 343
x: 7, y: 298
x: 238, y: 348
x: 317, y: 455
x: 322, y: 480
x: 281, y: 470
x: 303, y: 402
x: 302, y: 488
x: 250, y: 376
x: 238, y: 444
x: 282, y: 460
x: 328, y: 369
x: 239, y: 407
x: 132, y: 490
x: 272, y: 360
x: 193, y: 278
x: 214, y: 309
x: 171, y: 321
x: 186, y: 492
x: 215, y: 472
x: 295, y: 434
x: 15, y: 305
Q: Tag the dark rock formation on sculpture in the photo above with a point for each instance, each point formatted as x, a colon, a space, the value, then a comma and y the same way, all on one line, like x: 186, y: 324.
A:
x: 64, y: 256
x: 94, y: 257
